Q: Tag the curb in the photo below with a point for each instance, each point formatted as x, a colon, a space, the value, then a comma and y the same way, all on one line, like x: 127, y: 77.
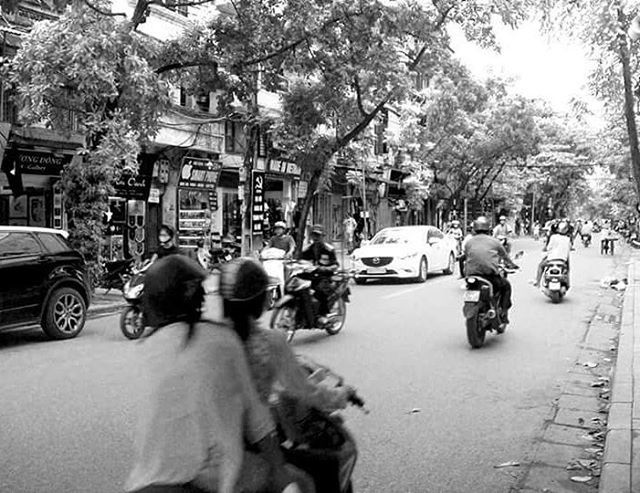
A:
x: 97, y: 311
x: 624, y: 414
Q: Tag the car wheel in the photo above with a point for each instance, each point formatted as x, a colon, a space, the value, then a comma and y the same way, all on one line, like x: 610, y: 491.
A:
x: 423, y: 270
x: 65, y: 314
x: 451, y: 265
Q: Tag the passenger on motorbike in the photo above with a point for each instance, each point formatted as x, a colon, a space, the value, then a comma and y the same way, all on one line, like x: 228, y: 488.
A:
x: 199, y: 406
x: 558, y: 248
x: 503, y: 232
x: 484, y: 257
x: 281, y: 240
x: 275, y: 370
x: 324, y: 256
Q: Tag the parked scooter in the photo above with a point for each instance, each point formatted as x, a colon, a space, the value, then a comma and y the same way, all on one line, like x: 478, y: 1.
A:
x: 299, y: 308
x: 555, y: 280
x: 482, y: 307
x: 315, y: 442
x: 132, y: 319
x: 273, y: 261
x: 116, y: 274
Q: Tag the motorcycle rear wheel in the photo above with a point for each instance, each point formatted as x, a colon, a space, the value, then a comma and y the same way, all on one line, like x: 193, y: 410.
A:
x: 284, y: 319
x: 341, y: 307
x: 475, y: 331
x: 131, y: 322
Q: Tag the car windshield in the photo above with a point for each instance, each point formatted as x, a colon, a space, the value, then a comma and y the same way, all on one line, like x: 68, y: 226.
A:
x: 397, y: 236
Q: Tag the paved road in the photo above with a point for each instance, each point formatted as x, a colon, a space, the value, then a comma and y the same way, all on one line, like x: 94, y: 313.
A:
x: 66, y: 416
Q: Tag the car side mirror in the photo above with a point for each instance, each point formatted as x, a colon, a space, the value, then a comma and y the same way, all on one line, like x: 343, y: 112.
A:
x: 365, y: 242
x: 519, y: 255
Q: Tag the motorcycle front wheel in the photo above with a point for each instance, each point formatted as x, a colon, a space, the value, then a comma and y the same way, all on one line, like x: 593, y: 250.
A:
x: 131, y: 322
x: 475, y: 331
x: 338, y: 317
x: 284, y: 319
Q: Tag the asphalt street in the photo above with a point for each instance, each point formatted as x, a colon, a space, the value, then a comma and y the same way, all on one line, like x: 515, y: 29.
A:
x: 442, y: 415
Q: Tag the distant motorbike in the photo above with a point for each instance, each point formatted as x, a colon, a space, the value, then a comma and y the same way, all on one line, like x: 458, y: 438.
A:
x: 315, y: 442
x: 482, y: 308
x: 586, y: 239
x: 299, y: 308
x: 132, y: 319
x: 555, y: 280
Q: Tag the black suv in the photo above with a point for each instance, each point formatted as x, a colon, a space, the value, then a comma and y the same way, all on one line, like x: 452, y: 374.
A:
x: 42, y: 281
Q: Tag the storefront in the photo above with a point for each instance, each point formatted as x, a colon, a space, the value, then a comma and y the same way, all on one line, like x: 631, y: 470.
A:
x: 280, y: 193
x: 29, y: 188
x: 197, y: 201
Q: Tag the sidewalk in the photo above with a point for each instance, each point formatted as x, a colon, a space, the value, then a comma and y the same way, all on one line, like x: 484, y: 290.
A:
x: 621, y: 461
x: 104, y: 303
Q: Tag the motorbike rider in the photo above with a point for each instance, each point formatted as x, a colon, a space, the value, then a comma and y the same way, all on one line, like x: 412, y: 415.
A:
x: 587, y: 229
x: 503, y: 232
x: 558, y: 248
x: 282, y: 240
x: 324, y: 256
x: 199, y: 405
x: 484, y: 256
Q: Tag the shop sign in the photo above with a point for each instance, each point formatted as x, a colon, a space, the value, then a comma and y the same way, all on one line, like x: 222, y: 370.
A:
x: 135, y: 187
x: 40, y: 163
x: 154, y: 196
x: 199, y: 173
x: 257, y: 201
x: 302, y: 189
x: 283, y: 167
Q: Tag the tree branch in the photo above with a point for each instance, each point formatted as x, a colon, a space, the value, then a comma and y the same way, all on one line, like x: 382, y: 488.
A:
x: 103, y: 12
x: 191, y: 63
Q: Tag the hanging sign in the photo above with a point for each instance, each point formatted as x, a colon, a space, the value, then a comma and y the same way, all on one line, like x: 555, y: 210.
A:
x: 136, y: 186
x: 199, y: 173
x: 257, y: 201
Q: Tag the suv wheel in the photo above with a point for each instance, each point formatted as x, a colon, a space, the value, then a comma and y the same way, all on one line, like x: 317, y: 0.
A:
x: 65, y: 314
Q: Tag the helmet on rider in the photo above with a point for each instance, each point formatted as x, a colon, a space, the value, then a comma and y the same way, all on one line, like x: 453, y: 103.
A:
x: 563, y: 228
x: 280, y: 224
x: 243, y: 286
x: 173, y: 291
x: 455, y: 223
x: 481, y: 225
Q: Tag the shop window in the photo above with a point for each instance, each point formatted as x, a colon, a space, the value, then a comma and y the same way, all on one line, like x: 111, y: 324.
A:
x: 18, y: 244
x: 178, y: 7
x: 8, y: 108
x: 203, y: 101
x: 234, y: 138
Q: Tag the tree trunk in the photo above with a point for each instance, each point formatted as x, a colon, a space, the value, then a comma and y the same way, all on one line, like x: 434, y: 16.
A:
x: 247, y: 206
x: 306, y: 207
x: 629, y: 103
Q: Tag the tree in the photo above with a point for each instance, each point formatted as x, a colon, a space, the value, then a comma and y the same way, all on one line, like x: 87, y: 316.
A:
x: 603, y: 27
x: 90, y: 72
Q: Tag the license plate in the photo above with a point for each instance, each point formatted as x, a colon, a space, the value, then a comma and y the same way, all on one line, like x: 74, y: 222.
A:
x: 376, y: 271
x: 554, y: 286
x: 472, y: 296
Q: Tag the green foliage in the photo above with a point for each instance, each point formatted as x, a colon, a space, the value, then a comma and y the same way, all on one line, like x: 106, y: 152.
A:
x: 90, y: 73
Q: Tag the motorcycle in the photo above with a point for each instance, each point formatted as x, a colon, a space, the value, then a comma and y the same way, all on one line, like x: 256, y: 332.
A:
x: 586, y: 239
x: 316, y: 442
x: 116, y: 273
x: 299, y: 308
x: 132, y: 319
x: 482, y: 307
x: 505, y: 243
x: 273, y: 261
x: 555, y: 280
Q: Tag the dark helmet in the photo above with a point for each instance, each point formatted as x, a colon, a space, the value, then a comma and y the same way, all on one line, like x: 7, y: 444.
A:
x: 243, y: 286
x: 481, y: 225
x: 167, y: 229
x: 243, y: 280
x: 173, y: 291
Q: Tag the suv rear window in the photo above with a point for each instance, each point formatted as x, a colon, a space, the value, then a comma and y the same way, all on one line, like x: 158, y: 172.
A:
x: 17, y: 244
x: 53, y: 242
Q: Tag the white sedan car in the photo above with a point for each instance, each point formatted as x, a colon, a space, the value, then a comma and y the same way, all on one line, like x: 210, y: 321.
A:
x: 405, y: 252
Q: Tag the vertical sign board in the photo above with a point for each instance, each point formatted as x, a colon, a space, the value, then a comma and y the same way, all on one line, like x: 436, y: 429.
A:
x: 257, y: 201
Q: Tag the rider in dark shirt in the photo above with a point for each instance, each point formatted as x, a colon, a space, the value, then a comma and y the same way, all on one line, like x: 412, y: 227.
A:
x: 323, y: 255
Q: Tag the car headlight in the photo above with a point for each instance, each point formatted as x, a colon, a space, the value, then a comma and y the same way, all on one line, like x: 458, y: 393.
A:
x: 408, y: 256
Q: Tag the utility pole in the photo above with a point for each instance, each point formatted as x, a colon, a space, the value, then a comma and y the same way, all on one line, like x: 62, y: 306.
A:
x: 365, y: 212
x: 533, y: 207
